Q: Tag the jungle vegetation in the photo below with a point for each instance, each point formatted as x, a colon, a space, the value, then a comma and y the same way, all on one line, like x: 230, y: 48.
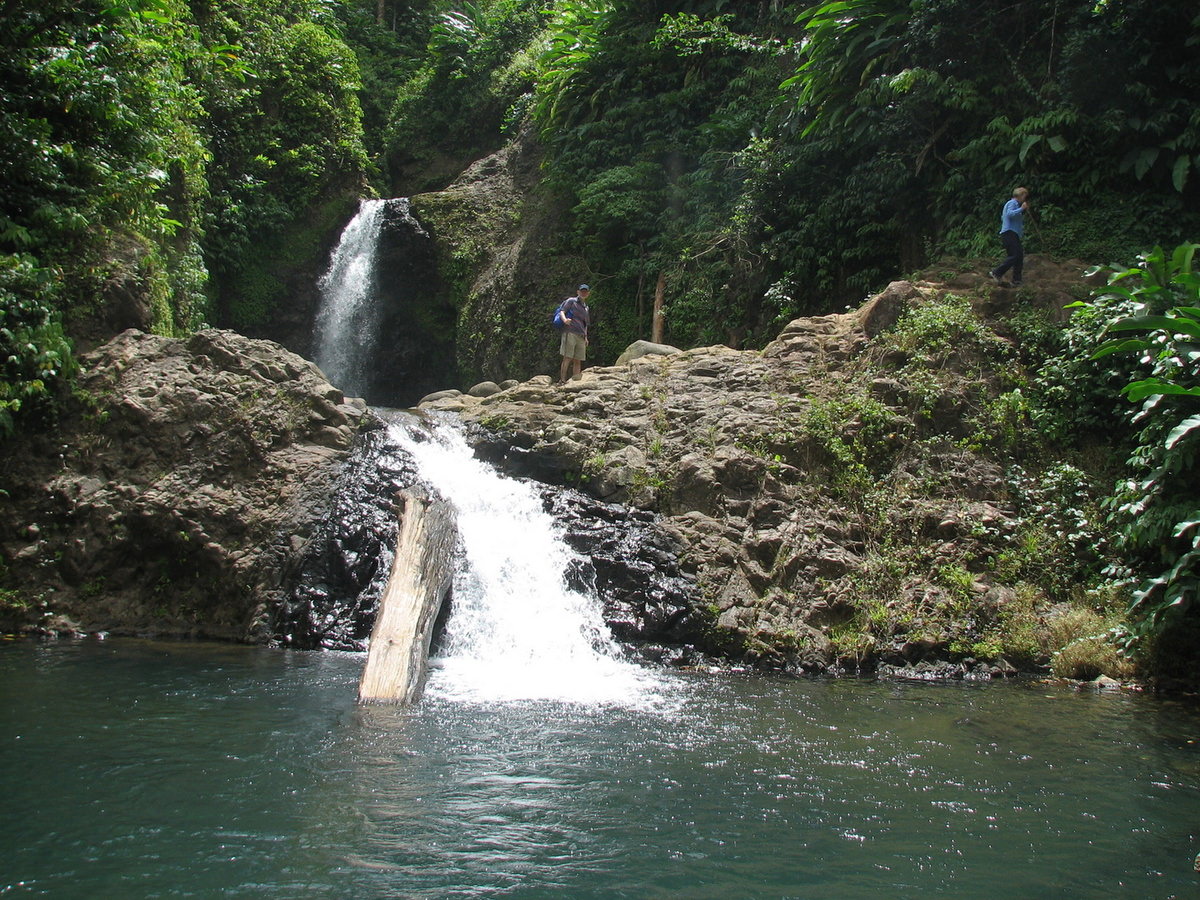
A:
x: 746, y: 161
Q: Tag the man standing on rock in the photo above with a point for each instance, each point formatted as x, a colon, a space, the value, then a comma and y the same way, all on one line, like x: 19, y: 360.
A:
x: 576, y: 318
x: 1012, y: 227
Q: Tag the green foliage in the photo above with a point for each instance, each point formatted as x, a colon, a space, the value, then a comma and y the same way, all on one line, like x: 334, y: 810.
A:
x: 100, y: 151
x: 960, y: 102
x: 389, y: 52
x: 1083, y: 648
x: 1159, y: 507
x: 906, y: 126
x: 933, y: 333
x: 35, y: 355
x: 650, y: 112
x: 857, y: 436
x: 146, y: 143
x: 286, y: 134
x: 474, y: 77
x: 1061, y: 542
x: 1074, y: 395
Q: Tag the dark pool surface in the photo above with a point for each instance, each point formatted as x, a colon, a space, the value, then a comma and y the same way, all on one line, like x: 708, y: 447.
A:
x: 142, y: 769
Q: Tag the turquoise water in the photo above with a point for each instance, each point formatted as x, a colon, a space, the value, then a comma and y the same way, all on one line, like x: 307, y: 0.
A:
x: 140, y: 769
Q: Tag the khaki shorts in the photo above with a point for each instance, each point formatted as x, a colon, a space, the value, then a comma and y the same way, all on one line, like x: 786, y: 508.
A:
x: 573, y: 346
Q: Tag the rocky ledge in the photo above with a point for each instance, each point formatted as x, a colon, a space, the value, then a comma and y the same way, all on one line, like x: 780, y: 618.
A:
x: 185, y: 480
x: 844, y: 499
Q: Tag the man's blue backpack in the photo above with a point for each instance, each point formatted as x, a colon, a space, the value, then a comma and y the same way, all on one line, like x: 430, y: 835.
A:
x: 557, y: 319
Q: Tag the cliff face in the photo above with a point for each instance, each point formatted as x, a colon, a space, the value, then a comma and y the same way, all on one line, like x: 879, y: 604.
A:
x: 495, y: 229
x: 184, y: 479
x: 845, y: 498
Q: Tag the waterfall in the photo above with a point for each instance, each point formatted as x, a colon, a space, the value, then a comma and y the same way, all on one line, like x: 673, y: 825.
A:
x: 347, y: 323
x: 516, y: 631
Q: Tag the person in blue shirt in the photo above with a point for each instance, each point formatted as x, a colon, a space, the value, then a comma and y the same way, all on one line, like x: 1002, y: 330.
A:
x: 573, y: 347
x: 1012, y: 229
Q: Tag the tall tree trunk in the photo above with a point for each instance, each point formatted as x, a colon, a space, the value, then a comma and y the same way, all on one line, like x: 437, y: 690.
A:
x: 656, y: 327
x: 380, y: 12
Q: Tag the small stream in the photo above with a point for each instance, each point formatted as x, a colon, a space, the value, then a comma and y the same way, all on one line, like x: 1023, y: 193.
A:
x: 139, y: 769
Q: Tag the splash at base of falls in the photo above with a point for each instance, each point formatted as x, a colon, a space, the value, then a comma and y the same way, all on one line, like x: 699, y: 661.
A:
x: 516, y: 630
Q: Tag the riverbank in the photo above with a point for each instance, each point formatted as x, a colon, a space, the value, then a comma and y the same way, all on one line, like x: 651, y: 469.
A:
x: 866, y: 494
x: 179, y: 492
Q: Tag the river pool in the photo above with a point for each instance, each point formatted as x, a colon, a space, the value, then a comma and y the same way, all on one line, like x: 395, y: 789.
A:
x: 137, y: 769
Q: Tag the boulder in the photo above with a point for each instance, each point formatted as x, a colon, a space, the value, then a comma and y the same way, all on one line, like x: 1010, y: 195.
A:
x: 484, y: 389
x: 638, y: 349
x: 184, y: 481
x: 440, y: 395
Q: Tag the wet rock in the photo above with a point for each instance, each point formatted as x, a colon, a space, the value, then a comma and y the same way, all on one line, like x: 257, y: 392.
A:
x: 331, y: 590
x: 1104, y: 683
x: 632, y: 562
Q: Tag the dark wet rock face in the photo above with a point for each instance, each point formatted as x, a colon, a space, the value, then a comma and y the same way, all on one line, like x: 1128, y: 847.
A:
x: 332, y: 594
x: 633, y: 566
x: 416, y: 350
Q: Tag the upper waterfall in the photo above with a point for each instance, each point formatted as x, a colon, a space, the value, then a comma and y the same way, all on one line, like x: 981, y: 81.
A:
x: 347, y: 324
x: 385, y: 326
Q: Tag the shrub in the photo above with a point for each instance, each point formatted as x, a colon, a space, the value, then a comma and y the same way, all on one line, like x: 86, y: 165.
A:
x: 1158, y: 507
x: 35, y: 355
x: 1085, y: 648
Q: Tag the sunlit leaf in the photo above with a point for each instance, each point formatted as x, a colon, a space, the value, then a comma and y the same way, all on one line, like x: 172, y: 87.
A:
x: 1184, y: 428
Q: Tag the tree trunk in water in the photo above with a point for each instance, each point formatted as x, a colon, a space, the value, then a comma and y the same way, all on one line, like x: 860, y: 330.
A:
x: 408, y: 610
x: 656, y: 327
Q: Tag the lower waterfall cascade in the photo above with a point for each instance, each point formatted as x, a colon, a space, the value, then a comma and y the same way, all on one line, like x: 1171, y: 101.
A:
x: 516, y: 629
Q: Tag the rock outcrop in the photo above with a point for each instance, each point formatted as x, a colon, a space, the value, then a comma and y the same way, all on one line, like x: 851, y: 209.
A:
x: 185, y: 480
x: 840, y: 497
x: 495, y: 231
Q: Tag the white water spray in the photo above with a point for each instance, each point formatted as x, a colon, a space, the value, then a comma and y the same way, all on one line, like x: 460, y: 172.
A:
x: 347, y: 323
x: 516, y: 630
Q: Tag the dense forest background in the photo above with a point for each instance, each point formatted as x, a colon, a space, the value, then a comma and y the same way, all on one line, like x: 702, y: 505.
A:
x: 166, y: 162
x: 174, y: 163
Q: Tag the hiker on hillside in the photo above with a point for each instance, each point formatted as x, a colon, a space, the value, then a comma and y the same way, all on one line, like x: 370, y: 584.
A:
x: 576, y: 319
x: 1012, y: 228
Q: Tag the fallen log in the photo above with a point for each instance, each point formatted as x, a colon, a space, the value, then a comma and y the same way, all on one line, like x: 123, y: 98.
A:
x: 418, y: 585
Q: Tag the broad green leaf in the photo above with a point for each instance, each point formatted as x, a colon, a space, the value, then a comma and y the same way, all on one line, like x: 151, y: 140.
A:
x: 1182, y: 258
x: 1156, y: 387
x: 1145, y: 160
x: 1184, y: 428
x: 1028, y: 145
x: 1119, y: 346
x: 1174, y: 325
x: 1179, y: 172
